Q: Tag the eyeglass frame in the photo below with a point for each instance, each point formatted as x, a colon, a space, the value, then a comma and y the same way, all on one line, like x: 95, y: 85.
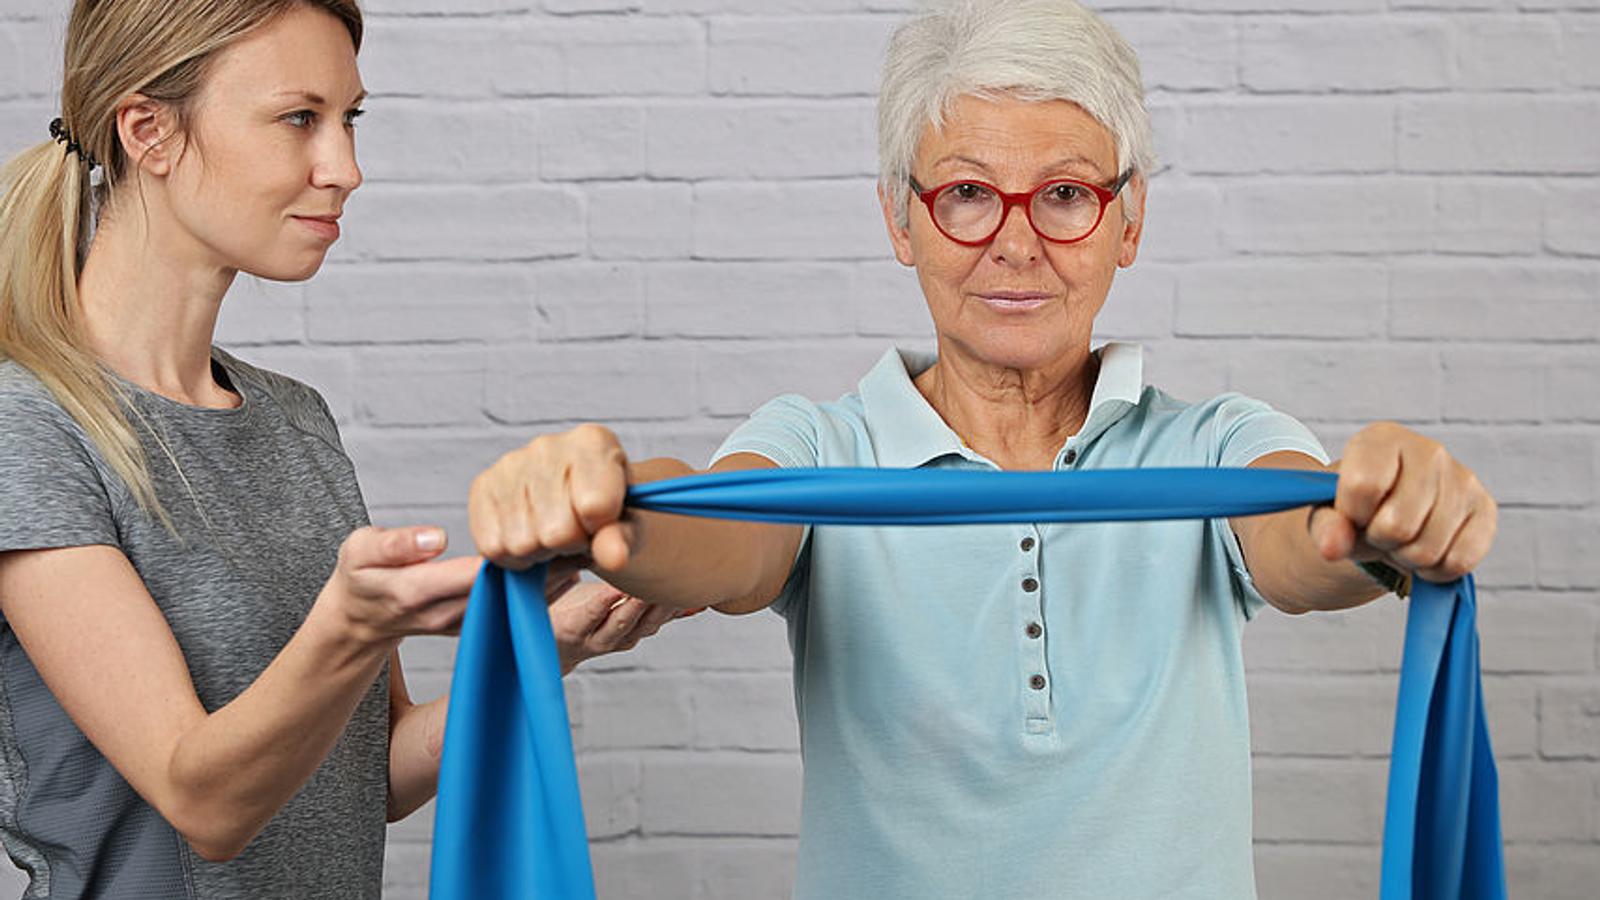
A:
x: 1024, y: 200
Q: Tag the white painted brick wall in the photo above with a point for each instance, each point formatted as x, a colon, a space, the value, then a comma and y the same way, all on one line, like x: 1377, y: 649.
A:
x: 659, y: 213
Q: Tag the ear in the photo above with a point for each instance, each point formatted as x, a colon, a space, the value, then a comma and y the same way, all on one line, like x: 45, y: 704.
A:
x: 149, y: 134
x: 899, y: 237
x: 1133, y: 195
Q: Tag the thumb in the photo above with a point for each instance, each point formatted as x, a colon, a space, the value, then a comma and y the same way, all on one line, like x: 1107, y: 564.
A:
x: 1332, y: 533
x: 374, y: 547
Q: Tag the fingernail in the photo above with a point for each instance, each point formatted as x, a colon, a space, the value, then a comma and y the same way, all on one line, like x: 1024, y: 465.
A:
x: 430, y: 539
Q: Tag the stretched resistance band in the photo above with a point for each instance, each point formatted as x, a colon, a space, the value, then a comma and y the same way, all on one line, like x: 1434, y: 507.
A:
x: 509, y: 822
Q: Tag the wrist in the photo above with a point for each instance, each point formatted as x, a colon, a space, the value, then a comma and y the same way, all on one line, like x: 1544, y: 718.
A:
x: 342, y: 638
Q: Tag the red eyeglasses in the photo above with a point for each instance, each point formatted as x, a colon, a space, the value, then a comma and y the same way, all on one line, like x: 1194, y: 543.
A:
x: 1062, y: 211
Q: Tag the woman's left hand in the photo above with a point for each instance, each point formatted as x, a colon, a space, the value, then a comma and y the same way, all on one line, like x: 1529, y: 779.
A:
x: 1403, y: 499
x: 592, y: 618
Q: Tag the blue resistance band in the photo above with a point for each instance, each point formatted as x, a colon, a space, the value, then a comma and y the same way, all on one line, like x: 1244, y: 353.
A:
x: 509, y: 822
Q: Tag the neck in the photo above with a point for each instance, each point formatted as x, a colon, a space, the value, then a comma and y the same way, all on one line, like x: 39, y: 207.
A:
x: 150, y: 305
x: 1016, y: 418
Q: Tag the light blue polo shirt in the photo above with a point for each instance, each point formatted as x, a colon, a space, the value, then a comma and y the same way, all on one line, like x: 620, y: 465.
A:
x: 1022, y: 711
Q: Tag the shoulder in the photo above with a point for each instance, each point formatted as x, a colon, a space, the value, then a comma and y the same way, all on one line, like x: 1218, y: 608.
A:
x: 303, y: 407
x: 1232, y: 428
x: 31, y: 412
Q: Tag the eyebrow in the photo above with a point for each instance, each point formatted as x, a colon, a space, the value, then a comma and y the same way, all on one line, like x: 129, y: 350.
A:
x: 1063, y: 162
x: 316, y: 99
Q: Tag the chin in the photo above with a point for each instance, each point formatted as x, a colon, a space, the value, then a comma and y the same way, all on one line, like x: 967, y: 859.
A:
x: 287, y: 270
x: 1020, y: 351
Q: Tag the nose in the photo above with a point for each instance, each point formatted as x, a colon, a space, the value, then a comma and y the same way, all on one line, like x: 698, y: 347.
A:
x: 1016, y: 243
x: 335, y: 164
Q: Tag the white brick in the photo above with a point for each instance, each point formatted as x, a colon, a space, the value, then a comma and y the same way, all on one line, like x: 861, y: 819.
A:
x: 1566, y: 550
x: 1495, y: 134
x: 1334, y: 215
x: 1541, y: 801
x: 640, y: 220
x: 1244, y: 135
x: 413, y: 223
x: 423, y: 466
x: 1180, y: 221
x: 1570, y: 225
x: 1324, y: 300
x: 1140, y: 304
x: 712, y: 641
x: 1321, y: 715
x: 1508, y: 53
x: 1335, y: 801
x: 734, y: 380
x: 610, y: 788
x: 761, y: 139
x: 624, y: 710
x: 745, y: 712
x: 1318, y: 871
x: 1569, y: 719
x: 1492, y: 385
x: 1504, y: 216
x: 403, y: 387
x: 1494, y: 301
x: 1573, y: 386
x: 727, y: 300
x: 888, y: 300
x: 1580, y: 38
x: 1552, y: 872
x: 1359, y: 383
x: 1181, y: 52
x: 810, y: 55
x: 1318, y: 54
x: 1537, y: 466
x: 591, y: 140
x: 399, y: 140
x: 419, y: 304
x: 1511, y: 705
x: 791, y: 220
x: 262, y: 312
x: 541, y: 383
x: 1522, y: 632
x: 721, y: 793
x: 583, y: 300
x: 30, y: 63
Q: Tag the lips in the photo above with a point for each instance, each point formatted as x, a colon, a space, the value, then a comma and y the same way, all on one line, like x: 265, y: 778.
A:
x: 325, y: 227
x: 1013, y: 301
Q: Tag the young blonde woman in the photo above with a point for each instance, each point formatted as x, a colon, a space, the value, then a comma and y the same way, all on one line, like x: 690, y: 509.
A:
x: 200, y: 694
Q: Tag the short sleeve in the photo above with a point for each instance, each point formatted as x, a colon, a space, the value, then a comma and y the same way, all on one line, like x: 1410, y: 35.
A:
x: 52, y: 491
x: 784, y: 430
x: 1246, y: 430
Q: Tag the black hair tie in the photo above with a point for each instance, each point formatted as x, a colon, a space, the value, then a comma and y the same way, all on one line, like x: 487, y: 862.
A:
x: 58, y: 131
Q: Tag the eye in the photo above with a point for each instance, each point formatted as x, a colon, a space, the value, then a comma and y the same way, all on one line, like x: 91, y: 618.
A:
x: 1065, y: 193
x: 967, y: 192
x: 351, y: 117
x: 301, y: 118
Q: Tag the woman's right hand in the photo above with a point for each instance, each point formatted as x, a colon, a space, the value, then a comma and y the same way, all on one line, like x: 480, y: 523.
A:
x: 561, y: 495
x: 389, y: 583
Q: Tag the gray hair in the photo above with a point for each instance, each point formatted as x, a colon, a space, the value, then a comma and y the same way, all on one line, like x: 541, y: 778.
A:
x: 1031, y: 49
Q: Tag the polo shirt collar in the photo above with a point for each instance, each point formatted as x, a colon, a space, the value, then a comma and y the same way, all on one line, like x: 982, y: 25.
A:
x: 906, y: 431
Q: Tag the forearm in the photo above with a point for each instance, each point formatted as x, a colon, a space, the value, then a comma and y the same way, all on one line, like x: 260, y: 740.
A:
x: 234, y: 769
x: 688, y: 561
x: 1291, y: 573
x: 416, y: 744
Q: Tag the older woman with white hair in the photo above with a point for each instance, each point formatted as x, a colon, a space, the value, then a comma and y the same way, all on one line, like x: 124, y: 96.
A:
x: 1012, y: 711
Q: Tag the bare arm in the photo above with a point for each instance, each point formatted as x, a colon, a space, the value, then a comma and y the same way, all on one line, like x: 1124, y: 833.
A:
x: 107, y: 654
x: 1402, y: 500
x: 562, y: 495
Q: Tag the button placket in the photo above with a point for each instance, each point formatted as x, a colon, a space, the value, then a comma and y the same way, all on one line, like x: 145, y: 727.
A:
x: 1032, y: 674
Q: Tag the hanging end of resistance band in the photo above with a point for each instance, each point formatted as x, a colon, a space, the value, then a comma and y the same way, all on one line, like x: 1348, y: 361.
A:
x: 1395, y: 580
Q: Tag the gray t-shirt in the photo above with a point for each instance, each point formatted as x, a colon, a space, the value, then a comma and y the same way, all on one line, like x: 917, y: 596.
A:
x: 265, y: 497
